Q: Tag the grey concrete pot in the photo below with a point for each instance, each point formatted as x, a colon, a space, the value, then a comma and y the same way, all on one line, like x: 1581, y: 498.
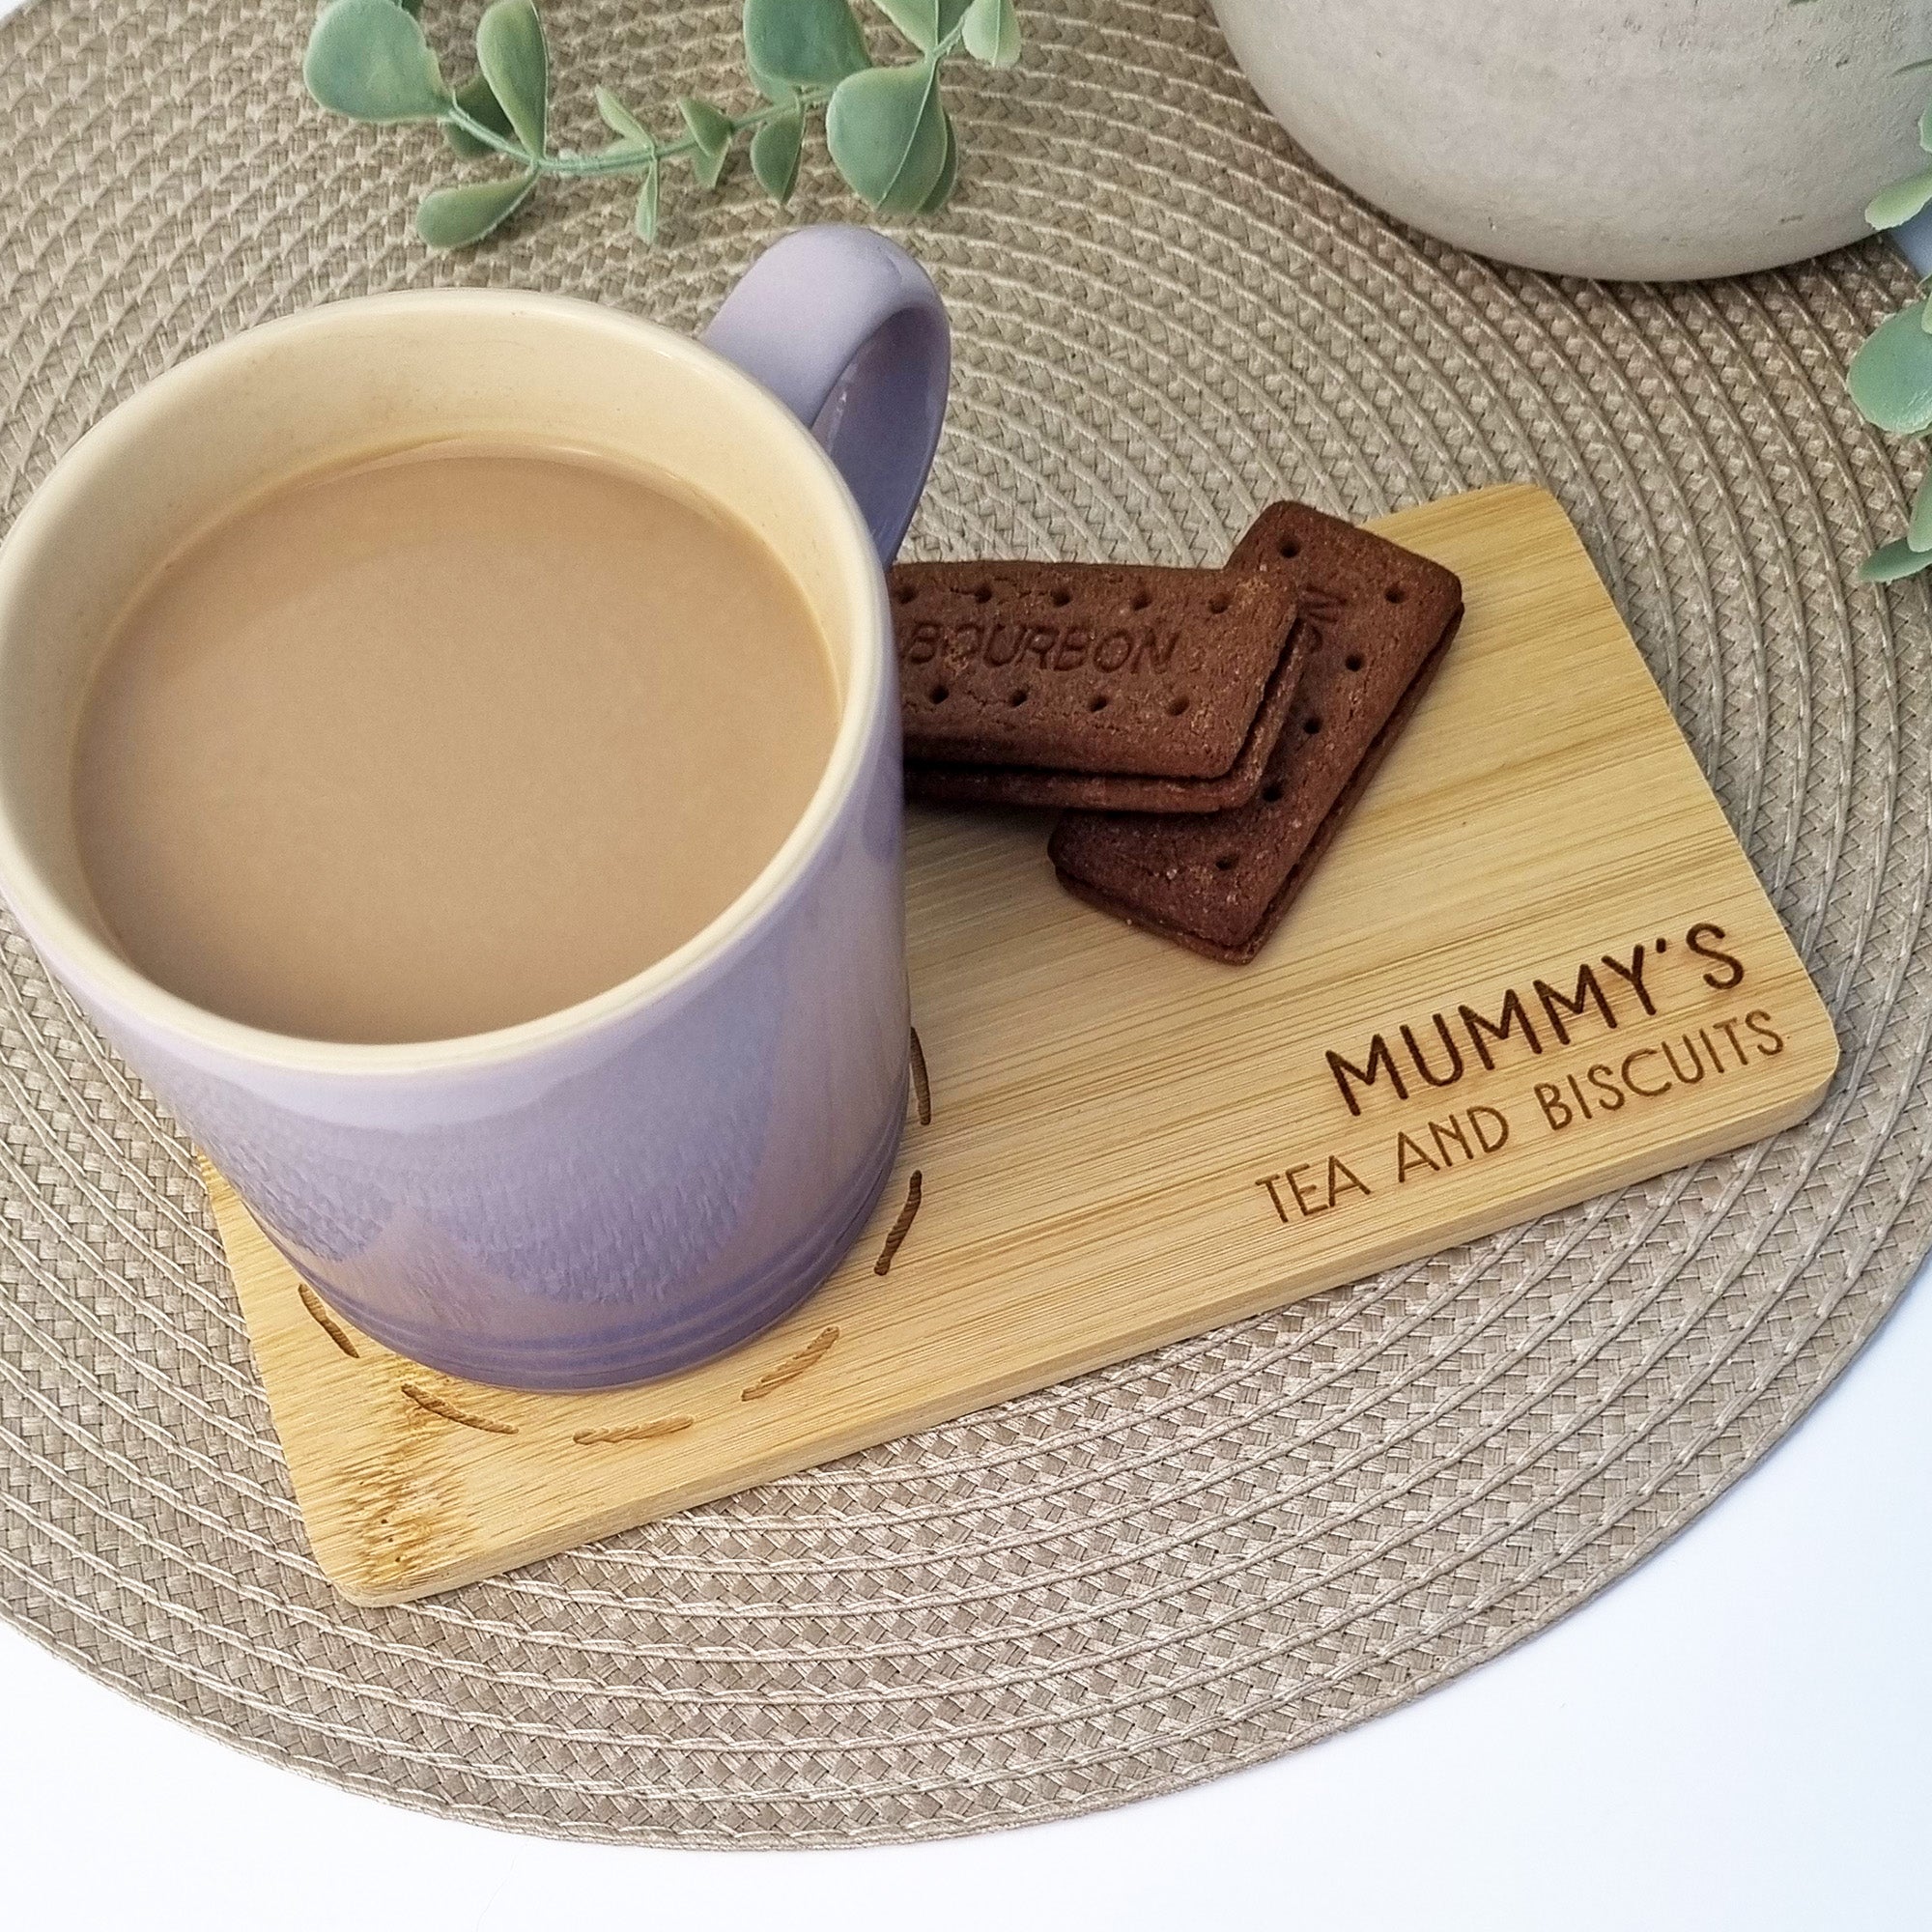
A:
x: 1640, y: 138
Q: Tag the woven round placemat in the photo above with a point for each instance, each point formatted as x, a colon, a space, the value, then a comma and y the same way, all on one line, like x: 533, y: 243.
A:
x: 1222, y: 1551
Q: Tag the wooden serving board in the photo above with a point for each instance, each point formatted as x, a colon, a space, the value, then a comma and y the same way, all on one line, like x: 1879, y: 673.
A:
x: 1128, y: 1143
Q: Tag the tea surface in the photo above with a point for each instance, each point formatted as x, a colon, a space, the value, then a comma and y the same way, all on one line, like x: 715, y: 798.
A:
x: 443, y: 741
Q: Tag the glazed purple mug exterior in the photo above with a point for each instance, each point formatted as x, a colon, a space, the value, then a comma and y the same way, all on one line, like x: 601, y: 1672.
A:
x: 638, y: 1182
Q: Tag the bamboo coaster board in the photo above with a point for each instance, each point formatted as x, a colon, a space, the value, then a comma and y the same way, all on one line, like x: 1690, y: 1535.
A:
x: 1128, y: 1144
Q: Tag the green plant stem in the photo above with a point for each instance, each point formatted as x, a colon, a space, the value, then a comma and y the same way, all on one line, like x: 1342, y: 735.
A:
x: 637, y: 161
x: 806, y: 99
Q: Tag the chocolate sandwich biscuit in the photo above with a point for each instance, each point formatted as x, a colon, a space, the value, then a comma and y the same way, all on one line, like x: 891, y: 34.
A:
x: 1128, y: 687
x: 1377, y: 621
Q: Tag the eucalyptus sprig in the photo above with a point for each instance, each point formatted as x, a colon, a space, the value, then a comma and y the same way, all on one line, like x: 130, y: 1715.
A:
x: 889, y: 133
x: 1891, y: 377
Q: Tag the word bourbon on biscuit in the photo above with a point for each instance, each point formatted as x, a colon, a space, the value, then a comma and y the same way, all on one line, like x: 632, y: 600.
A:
x: 1053, y: 647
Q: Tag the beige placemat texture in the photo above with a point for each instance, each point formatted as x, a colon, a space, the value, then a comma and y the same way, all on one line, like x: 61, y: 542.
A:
x: 1198, y: 1560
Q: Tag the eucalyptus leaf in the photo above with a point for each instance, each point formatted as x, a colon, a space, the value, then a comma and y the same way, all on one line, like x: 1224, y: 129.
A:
x: 635, y: 140
x: 1899, y: 202
x: 1891, y: 378
x: 711, y: 128
x: 804, y: 43
x: 1926, y: 129
x: 620, y: 121
x: 993, y: 32
x: 412, y: 8
x: 1919, y: 533
x: 455, y: 217
x: 774, y: 90
x: 917, y: 21
x: 887, y: 134
x: 645, y: 221
x: 510, y: 50
x: 478, y: 100
x: 368, y: 59
x: 1895, y: 559
x: 775, y: 155
x: 923, y: 22
x: 949, y: 175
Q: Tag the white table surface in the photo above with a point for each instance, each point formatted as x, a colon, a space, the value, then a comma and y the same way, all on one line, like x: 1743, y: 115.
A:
x: 1740, y: 1735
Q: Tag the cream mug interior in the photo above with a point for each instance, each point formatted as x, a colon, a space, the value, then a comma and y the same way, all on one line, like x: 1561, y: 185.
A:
x: 363, y: 1161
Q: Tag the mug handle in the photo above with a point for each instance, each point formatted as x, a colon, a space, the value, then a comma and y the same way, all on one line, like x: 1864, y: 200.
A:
x: 847, y: 331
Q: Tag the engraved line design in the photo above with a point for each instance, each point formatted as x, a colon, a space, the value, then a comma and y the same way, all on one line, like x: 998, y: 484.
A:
x: 449, y: 1412
x: 326, y: 1321
x: 921, y: 1087
x: 637, y: 1431
x: 901, y: 1228
x: 794, y: 1366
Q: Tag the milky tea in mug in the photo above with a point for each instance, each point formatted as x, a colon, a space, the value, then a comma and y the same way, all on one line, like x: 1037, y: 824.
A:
x: 444, y: 739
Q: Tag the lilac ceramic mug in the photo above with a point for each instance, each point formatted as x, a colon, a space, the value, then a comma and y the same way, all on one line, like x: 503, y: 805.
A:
x: 640, y: 1181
